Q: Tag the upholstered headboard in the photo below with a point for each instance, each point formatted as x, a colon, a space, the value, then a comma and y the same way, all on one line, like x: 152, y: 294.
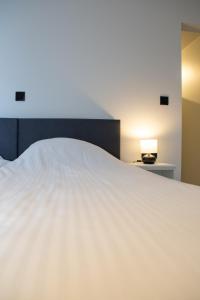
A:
x: 8, y: 138
x: 16, y: 135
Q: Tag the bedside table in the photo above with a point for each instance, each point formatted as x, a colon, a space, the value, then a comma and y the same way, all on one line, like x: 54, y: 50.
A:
x: 163, y: 169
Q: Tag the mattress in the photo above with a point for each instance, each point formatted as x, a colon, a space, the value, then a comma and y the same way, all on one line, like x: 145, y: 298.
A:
x: 78, y: 224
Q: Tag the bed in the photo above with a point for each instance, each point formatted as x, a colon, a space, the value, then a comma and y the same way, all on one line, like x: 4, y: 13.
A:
x: 77, y: 223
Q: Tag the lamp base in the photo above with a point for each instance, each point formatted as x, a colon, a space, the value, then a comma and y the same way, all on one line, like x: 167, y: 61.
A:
x: 149, y: 158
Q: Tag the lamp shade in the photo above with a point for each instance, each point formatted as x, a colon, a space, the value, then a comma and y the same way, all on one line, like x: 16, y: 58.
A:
x: 149, y: 146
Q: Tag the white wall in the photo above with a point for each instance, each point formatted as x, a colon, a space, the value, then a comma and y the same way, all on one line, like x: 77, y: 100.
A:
x: 97, y: 59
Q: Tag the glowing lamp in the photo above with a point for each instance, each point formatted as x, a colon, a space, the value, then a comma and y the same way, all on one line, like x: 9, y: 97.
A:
x: 149, y: 151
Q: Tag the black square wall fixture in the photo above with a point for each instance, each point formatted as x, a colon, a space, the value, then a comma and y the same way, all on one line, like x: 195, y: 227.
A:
x: 164, y: 100
x: 20, y: 96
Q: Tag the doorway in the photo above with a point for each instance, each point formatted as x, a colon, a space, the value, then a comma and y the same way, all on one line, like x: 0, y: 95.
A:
x: 191, y: 104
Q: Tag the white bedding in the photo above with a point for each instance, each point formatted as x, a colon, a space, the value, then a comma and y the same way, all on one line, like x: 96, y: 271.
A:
x: 3, y: 161
x: 77, y: 224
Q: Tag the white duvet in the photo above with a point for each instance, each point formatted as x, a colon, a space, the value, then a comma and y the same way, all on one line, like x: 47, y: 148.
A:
x: 77, y: 224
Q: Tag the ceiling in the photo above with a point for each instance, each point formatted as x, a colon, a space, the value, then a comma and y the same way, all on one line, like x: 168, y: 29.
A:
x: 188, y: 37
x: 190, y: 27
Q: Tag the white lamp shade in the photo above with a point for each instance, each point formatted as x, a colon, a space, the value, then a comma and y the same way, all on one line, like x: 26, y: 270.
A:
x: 149, y: 146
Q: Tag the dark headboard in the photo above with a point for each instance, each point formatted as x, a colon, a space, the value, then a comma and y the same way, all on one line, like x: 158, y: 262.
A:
x: 8, y: 138
x: 16, y: 135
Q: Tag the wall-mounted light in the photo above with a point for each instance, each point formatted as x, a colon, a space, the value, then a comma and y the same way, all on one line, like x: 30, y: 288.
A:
x: 149, y: 150
x: 187, y: 74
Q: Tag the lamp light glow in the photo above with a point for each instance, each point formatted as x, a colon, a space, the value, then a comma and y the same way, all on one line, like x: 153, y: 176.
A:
x: 149, y: 146
x: 187, y: 74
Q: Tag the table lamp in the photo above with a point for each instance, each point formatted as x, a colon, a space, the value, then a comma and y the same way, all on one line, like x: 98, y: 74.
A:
x: 149, y: 150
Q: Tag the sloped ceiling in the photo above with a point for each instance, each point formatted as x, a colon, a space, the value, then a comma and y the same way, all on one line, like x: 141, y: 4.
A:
x: 190, y: 27
x: 190, y: 33
x: 189, y: 37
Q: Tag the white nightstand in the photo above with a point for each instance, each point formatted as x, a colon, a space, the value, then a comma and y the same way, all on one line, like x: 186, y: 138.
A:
x: 163, y: 169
